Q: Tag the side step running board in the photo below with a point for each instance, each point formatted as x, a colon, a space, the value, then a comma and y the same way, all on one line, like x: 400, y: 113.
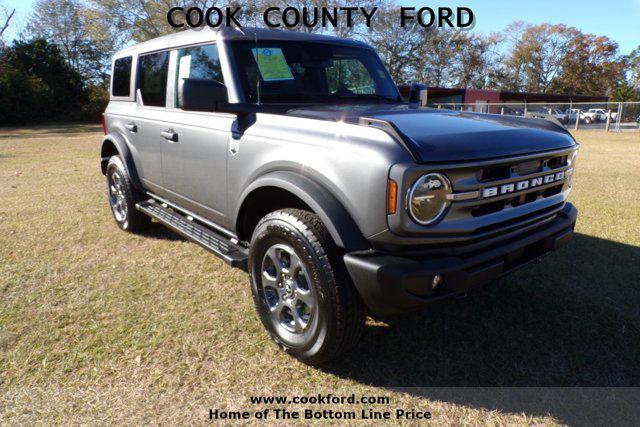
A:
x: 231, y: 253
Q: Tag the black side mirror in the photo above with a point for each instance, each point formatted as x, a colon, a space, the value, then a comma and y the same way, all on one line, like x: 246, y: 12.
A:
x: 201, y: 94
x: 417, y: 93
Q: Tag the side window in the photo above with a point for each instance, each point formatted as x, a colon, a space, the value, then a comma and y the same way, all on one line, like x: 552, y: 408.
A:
x: 121, y: 77
x: 198, y: 63
x: 152, y: 78
x: 351, y: 75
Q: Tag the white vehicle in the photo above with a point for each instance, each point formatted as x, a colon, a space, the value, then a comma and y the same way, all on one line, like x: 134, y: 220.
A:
x: 601, y: 113
x: 560, y: 115
x: 546, y: 113
x: 586, y: 117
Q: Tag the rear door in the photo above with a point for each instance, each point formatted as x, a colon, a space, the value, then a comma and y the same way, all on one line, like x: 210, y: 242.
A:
x: 151, y: 111
x: 194, y: 162
x: 124, y: 115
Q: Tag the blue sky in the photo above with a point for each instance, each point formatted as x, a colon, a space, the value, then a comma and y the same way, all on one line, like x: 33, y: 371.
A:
x: 619, y: 19
x: 616, y: 19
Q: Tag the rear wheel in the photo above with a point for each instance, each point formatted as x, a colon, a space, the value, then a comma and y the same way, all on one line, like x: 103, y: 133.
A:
x: 301, y: 289
x: 123, y: 197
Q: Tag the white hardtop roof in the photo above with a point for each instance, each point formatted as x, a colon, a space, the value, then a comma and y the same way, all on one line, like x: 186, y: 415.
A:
x: 204, y: 34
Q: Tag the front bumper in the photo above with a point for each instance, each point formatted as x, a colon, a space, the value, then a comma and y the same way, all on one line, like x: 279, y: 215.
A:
x: 393, y: 283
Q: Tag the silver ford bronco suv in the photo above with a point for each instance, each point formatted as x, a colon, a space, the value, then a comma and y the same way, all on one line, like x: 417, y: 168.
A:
x: 293, y: 157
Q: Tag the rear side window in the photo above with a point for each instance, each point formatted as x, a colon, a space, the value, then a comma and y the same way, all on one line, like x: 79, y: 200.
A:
x: 152, y: 78
x: 122, y: 77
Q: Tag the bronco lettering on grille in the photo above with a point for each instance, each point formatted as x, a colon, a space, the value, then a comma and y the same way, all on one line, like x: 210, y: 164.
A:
x: 517, y: 186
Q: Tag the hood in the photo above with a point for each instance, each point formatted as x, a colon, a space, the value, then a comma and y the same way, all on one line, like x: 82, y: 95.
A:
x: 445, y: 135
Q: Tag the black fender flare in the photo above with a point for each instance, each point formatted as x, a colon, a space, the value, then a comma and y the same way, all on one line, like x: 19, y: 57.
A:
x: 125, y: 153
x: 332, y: 213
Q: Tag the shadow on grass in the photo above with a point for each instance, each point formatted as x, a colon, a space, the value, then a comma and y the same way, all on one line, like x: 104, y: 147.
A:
x: 573, y: 320
x: 160, y: 232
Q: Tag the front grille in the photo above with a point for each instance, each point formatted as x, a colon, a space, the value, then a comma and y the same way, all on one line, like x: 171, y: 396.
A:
x: 522, y: 168
x: 519, y: 200
x: 491, y: 174
x: 495, y: 173
x: 488, y: 208
x: 492, y: 212
x: 557, y: 162
x: 516, y: 220
x: 527, y: 168
x: 505, y: 172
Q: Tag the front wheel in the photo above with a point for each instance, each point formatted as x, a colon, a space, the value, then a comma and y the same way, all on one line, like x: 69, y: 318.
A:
x: 301, y: 289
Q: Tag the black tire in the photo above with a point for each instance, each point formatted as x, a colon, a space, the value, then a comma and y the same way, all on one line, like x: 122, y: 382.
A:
x: 337, y: 320
x: 128, y: 217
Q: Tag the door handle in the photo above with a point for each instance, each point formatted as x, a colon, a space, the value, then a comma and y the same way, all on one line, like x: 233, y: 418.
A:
x: 169, y: 135
x: 131, y: 127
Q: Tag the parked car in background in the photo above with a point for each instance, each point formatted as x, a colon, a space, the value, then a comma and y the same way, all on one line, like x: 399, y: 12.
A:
x: 554, y: 115
x: 585, y: 117
x: 601, y: 113
x: 560, y: 115
x: 513, y: 111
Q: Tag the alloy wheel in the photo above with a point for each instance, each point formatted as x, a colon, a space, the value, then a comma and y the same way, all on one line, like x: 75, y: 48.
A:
x: 117, y: 196
x: 288, y: 291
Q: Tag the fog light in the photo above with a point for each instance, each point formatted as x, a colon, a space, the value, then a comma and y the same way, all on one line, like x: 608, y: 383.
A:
x: 437, y: 281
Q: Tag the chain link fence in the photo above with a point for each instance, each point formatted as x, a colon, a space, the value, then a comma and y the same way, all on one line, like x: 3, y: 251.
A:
x: 604, y: 116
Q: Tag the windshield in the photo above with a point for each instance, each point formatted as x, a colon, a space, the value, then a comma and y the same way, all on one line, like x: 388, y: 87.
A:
x: 308, y: 72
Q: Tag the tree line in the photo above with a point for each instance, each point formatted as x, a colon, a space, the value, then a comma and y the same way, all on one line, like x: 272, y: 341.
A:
x: 76, y: 39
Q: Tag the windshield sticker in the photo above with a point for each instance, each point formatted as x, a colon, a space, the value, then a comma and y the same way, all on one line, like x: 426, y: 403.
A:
x: 272, y: 64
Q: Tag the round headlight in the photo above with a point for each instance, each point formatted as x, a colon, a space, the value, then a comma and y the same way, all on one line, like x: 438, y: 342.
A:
x: 428, y: 198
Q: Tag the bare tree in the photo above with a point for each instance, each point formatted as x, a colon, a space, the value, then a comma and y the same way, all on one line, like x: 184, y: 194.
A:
x: 309, y: 18
x: 634, y: 69
x: 434, y: 64
x: 514, y: 63
x: 358, y: 28
x: 535, y: 54
x: 146, y: 19
x: 398, y: 47
x: 66, y: 24
x: 474, y: 60
x: 6, y: 18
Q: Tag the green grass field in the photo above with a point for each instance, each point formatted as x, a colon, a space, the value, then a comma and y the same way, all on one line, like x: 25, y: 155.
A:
x: 98, y: 325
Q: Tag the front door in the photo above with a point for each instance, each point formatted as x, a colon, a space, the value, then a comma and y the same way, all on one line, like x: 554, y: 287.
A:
x: 194, y: 155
